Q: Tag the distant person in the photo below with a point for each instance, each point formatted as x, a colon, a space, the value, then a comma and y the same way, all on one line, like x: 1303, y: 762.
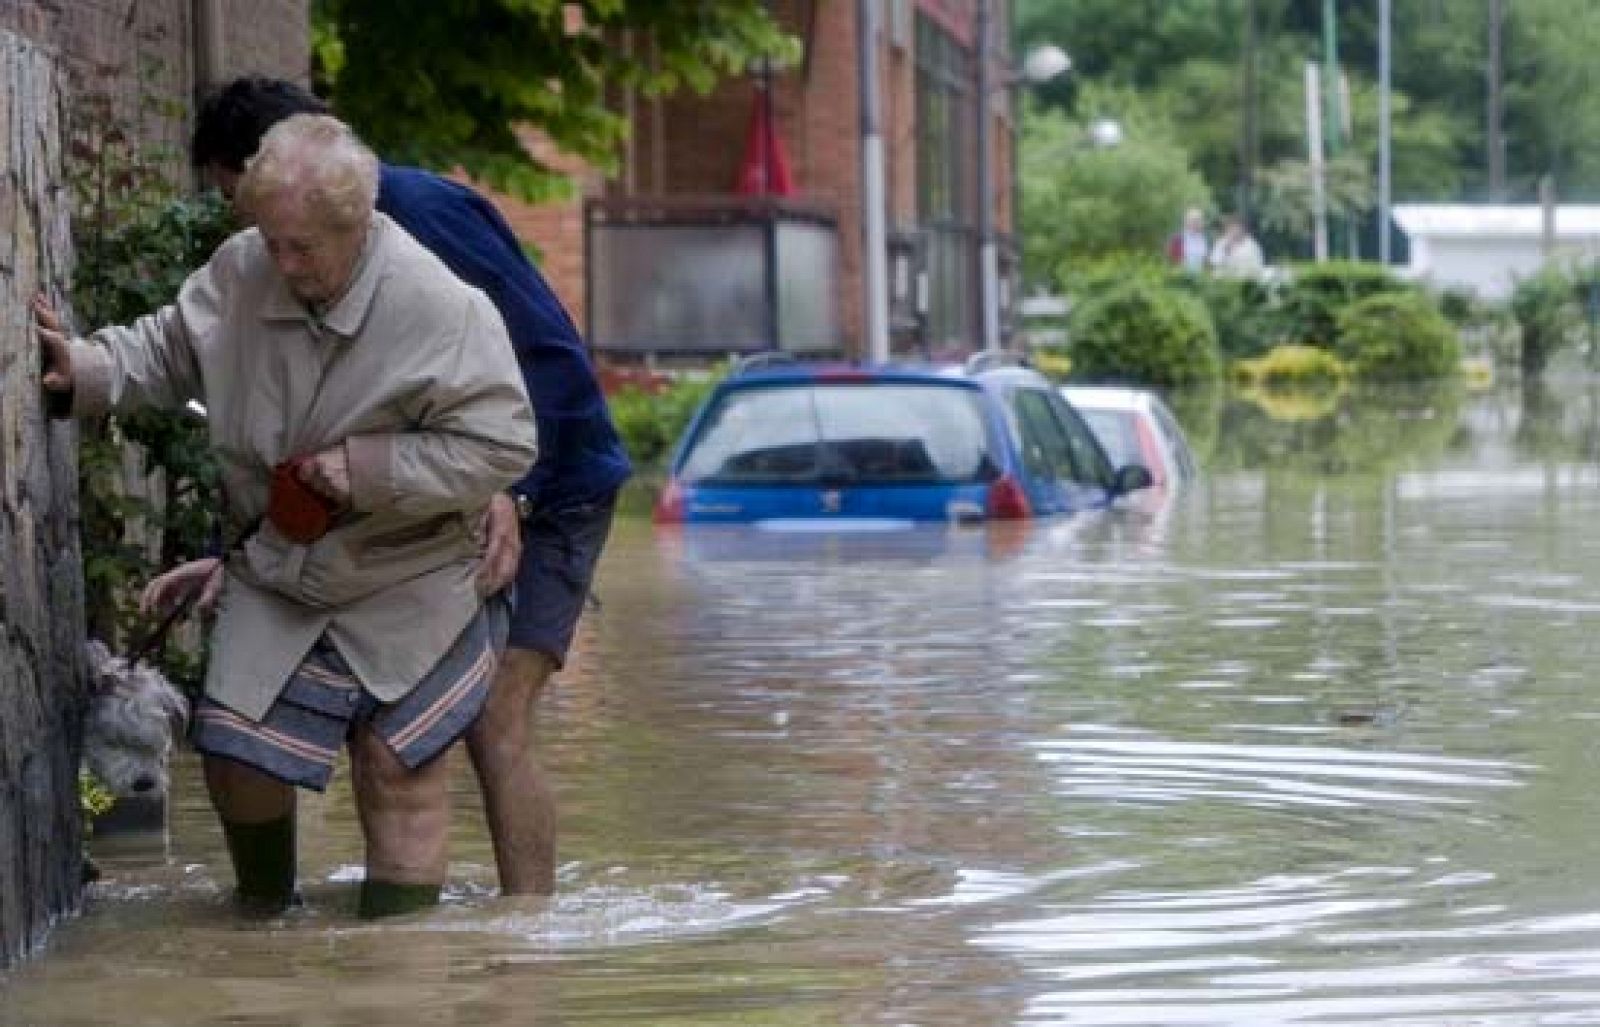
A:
x: 1189, y: 246
x: 1237, y: 253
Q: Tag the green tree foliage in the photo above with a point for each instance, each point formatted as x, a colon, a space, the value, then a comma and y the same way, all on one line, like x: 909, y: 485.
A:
x: 1188, y: 57
x: 447, y: 85
x: 1143, y: 331
x: 1082, y: 202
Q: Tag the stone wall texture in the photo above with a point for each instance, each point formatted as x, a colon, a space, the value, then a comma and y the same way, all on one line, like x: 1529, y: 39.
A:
x: 56, y: 56
x: 143, y: 53
x: 41, y: 591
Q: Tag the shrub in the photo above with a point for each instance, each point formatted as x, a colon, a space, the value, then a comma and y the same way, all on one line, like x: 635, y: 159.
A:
x: 1293, y: 365
x: 1052, y: 362
x: 1546, y: 308
x: 1244, y: 310
x: 1316, y: 293
x: 1085, y: 278
x: 650, y: 420
x: 1398, y: 337
x: 1141, y: 331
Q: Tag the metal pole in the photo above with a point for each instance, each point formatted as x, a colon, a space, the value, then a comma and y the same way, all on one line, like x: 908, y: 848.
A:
x: 1547, y: 218
x: 1249, y: 131
x: 1494, y: 130
x: 1385, y: 73
x: 988, y: 259
x: 1319, y: 202
x: 874, y: 242
x: 1331, y: 107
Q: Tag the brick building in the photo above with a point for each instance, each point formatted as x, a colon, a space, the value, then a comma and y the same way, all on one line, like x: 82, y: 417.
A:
x: 666, y: 259
x: 153, y: 56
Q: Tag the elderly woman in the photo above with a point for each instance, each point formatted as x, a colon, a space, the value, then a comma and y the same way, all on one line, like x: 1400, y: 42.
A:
x: 364, y: 406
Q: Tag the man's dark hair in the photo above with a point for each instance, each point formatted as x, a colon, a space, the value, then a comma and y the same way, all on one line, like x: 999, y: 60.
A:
x: 232, y: 119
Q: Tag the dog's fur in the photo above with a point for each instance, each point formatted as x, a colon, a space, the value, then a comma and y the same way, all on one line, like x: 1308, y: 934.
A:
x: 135, y: 714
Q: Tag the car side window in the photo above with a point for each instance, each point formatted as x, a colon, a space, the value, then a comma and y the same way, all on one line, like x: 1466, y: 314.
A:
x: 1094, y: 467
x: 1048, y: 449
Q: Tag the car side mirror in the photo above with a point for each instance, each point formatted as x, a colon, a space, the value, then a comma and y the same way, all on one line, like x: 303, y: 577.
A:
x: 1131, y: 478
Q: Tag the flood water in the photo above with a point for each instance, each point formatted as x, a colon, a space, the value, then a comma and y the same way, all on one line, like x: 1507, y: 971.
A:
x: 1312, y: 743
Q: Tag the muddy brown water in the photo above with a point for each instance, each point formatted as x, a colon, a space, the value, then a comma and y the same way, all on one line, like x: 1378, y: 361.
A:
x: 1314, y: 742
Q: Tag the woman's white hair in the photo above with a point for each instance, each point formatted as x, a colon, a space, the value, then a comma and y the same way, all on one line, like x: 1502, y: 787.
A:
x: 318, y: 158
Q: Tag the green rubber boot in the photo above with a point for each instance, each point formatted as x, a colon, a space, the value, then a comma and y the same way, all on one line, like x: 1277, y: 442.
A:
x: 391, y: 898
x: 263, y: 863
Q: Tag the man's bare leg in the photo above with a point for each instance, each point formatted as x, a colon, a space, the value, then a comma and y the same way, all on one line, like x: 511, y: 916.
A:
x: 405, y: 818
x: 517, y: 800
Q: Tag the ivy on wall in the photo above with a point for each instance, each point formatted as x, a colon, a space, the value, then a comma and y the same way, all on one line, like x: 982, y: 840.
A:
x: 137, y: 234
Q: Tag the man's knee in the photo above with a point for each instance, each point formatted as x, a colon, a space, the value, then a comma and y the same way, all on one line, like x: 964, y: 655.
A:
x: 523, y: 674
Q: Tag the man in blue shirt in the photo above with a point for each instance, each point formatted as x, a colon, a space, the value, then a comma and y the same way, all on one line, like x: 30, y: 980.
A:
x: 547, y: 535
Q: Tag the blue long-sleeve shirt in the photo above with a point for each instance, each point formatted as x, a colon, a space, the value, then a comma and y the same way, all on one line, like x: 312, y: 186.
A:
x: 581, y: 457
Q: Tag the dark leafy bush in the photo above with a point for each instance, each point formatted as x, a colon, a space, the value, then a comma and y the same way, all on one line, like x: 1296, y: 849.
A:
x: 1397, y: 337
x: 1141, y: 331
x: 1245, y: 311
x: 1547, y: 310
x: 1311, y: 300
x: 650, y: 421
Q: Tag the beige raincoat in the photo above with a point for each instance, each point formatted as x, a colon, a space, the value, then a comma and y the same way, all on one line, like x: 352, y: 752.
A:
x: 412, y: 371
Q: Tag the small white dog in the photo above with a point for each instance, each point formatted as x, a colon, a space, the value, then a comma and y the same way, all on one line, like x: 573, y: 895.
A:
x: 135, y: 714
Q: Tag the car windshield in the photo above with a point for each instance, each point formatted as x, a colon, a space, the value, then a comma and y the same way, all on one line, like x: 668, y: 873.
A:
x: 859, y: 433
x: 1118, y: 435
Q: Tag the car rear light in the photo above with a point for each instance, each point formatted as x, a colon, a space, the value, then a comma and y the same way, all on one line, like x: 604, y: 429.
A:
x: 835, y: 375
x: 669, y: 505
x: 1007, y: 501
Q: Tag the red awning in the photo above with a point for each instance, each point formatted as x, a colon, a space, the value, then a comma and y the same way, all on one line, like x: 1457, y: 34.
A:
x: 764, y: 171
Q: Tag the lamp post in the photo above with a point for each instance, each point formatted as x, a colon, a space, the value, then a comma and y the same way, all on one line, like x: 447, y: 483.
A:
x: 1041, y: 64
x: 875, y: 253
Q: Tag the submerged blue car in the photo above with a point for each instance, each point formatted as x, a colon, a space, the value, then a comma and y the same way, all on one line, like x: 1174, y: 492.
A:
x: 875, y: 446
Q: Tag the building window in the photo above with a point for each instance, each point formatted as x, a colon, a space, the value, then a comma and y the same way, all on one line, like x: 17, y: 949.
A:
x: 944, y: 208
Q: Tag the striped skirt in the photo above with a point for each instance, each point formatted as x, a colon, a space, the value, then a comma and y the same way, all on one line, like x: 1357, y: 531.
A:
x: 299, y: 739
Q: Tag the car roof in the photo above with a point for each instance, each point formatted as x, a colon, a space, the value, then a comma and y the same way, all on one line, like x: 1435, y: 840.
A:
x: 1109, y: 397
x: 834, y: 372
x: 786, y: 372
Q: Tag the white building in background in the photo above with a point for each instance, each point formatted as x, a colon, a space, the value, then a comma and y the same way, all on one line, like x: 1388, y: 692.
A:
x: 1486, y: 248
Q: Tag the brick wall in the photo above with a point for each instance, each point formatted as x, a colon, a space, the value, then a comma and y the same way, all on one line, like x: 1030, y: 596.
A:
x: 555, y: 230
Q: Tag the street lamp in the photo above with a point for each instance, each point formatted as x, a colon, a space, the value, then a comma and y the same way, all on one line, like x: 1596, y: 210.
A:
x: 1040, y: 65
x: 1044, y: 63
x: 1105, y: 133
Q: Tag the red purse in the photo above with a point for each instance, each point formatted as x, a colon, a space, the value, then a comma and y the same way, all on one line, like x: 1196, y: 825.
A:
x: 300, y: 513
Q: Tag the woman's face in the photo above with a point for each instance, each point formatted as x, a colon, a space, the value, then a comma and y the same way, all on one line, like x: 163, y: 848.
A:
x: 317, y: 261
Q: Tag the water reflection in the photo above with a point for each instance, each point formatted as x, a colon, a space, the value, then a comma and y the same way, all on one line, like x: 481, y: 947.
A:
x: 1312, y: 742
